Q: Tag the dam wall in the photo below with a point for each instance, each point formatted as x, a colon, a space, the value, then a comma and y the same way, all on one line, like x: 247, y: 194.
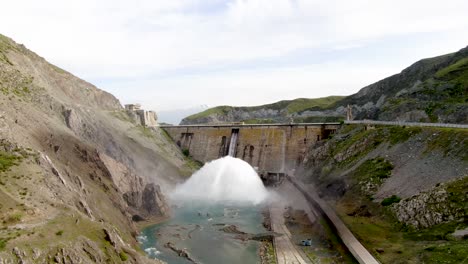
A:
x: 268, y: 147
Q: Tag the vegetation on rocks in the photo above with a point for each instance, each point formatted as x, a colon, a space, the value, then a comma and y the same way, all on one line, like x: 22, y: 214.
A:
x: 371, y: 174
x: 3, y: 242
x: 375, y: 169
x: 451, y: 141
x: 186, y: 152
x: 223, y: 109
x: 5, y: 46
x: 401, y: 134
x: 123, y: 256
x: 304, y: 104
x: 7, y: 160
x: 458, y: 193
x: 390, y: 200
x: 14, y: 82
x: 456, y: 72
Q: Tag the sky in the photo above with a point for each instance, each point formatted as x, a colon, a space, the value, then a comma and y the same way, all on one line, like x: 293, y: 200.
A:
x: 177, y: 55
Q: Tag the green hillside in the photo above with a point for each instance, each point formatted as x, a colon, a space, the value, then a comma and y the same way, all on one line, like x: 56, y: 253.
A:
x: 286, y: 106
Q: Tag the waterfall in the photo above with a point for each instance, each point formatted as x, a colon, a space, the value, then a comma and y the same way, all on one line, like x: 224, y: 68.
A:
x: 283, y: 152
x: 233, y: 143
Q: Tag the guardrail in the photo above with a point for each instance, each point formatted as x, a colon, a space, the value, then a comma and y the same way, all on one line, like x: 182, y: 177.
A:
x: 251, y: 125
x: 400, y: 123
x: 365, y: 122
x: 359, y: 252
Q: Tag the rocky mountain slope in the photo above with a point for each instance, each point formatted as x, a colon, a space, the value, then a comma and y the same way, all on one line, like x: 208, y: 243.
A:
x: 401, y: 190
x: 430, y: 90
x: 75, y: 170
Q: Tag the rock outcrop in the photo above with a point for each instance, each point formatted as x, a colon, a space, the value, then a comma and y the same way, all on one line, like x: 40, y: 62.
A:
x: 153, y: 201
x: 433, y: 207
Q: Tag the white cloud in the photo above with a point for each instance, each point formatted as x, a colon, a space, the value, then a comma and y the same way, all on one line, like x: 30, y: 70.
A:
x: 252, y: 14
x: 247, y: 87
x: 110, y: 40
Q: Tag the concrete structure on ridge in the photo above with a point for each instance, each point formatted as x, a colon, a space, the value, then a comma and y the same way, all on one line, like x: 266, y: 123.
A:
x: 144, y: 118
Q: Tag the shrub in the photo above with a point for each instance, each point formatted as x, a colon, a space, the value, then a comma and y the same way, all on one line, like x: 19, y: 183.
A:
x: 402, y: 134
x: 59, y: 233
x: 375, y: 169
x: 16, y: 217
x: 7, y: 160
x: 186, y: 152
x: 3, y: 242
x: 390, y: 200
x: 123, y: 256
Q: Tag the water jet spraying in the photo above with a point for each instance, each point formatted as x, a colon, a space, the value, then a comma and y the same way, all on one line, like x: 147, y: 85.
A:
x: 225, y: 179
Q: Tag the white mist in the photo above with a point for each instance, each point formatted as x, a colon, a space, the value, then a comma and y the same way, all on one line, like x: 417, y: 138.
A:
x: 224, y: 179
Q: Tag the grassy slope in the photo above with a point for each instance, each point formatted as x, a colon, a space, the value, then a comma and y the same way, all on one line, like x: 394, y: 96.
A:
x: 374, y: 224
x: 456, y: 72
x: 290, y: 106
x: 5, y: 45
x: 445, y: 91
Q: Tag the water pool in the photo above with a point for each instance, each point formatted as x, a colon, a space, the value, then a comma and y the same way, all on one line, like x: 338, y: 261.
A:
x: 195, y: 226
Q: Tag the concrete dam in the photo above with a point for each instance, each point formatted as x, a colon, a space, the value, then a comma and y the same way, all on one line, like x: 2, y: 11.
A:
x: 267, y: 147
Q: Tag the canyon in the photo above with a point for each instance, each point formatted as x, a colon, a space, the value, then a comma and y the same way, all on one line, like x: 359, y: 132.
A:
x: 80, y: 175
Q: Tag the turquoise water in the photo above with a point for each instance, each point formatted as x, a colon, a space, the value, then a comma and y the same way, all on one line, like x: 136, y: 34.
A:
x: 196, y: 227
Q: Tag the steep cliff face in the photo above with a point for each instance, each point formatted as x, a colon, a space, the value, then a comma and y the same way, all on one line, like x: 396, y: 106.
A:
x: 430, y: 90
x: 74, y: 169
x: 400, y: 190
